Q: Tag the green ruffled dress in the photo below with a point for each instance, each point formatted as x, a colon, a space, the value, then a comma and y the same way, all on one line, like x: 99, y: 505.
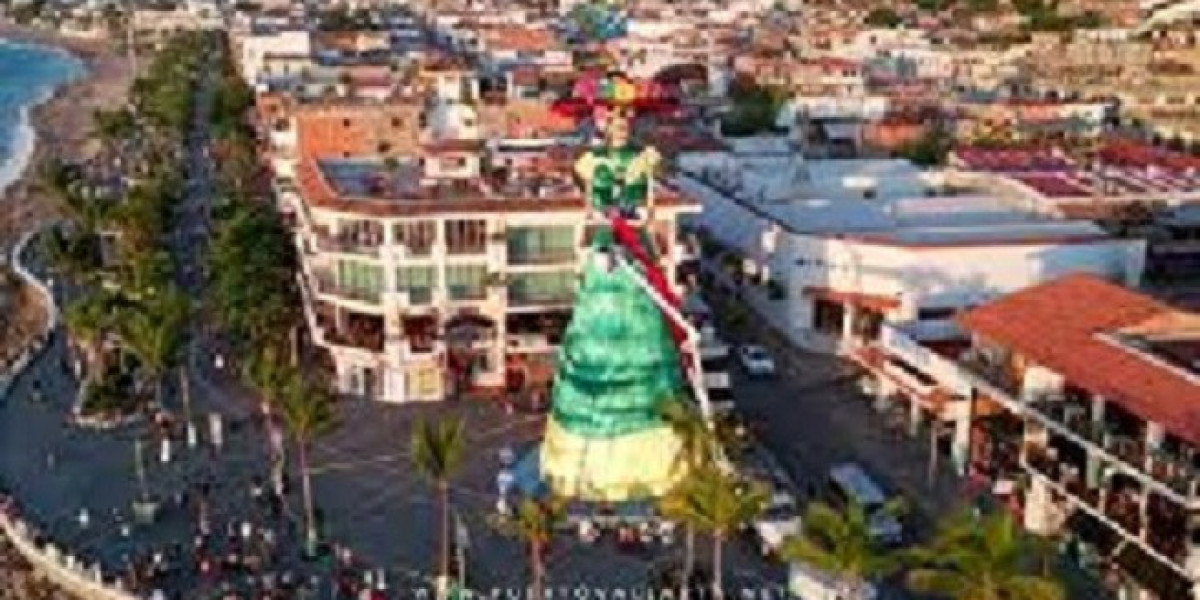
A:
x: 618, y: 360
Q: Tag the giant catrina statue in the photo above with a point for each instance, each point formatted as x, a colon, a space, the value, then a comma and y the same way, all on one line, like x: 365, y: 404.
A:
x: 619, y: 361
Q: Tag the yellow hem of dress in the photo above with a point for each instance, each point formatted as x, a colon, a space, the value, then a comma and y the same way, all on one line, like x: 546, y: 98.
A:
x: 633, y: 466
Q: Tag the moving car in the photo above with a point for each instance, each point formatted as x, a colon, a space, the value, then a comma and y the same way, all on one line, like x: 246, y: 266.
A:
x: 777, y: 523
x: 849, y: 484
x: 756, y: 361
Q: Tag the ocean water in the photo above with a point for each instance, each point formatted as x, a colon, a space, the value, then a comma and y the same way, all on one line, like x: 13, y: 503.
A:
x: 29, y: 74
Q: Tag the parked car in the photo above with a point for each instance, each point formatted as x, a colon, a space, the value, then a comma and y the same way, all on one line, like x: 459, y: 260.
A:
x: 850, y: 483
x: 779, y: 521
x: 756, y: 361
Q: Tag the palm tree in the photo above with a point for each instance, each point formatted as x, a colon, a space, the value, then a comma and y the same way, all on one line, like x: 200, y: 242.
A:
x: 988, y: 558
x: 155, y: 333
x: 88, y: 319
x: 307, y: 411
x: 269, y: 374
x: 697, y: 449
x: 717, y: 503
x: 534, y: 524
x: 437, y: 452
x: 841, y: 544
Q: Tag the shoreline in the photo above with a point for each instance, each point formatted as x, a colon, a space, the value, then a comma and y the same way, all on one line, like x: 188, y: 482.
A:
x: 57, y: 125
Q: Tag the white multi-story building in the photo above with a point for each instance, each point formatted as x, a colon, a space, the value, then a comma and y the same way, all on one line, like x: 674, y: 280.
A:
x: 838, y: 248
x: 437, y: 254
x: 423, y: 276
x: 1085, y: 391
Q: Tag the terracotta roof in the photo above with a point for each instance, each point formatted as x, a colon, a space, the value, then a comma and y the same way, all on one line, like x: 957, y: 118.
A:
x: 520, y: 38
x: 1061, y: 326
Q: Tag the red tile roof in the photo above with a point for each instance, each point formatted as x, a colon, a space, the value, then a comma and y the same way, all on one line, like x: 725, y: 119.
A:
x: 1061, y: 325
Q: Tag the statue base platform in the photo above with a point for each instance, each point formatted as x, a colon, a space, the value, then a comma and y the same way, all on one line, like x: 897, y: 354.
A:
x: 635, y: 466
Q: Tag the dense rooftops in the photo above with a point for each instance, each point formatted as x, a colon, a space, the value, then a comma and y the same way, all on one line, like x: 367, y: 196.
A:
x: 1119, y: 169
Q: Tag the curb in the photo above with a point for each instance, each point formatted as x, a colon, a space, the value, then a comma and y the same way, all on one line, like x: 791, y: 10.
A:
x: 39, y: 342
x: 61, y: 569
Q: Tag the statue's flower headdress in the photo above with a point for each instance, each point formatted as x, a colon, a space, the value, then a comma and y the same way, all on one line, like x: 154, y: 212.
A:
x: 594, y: 93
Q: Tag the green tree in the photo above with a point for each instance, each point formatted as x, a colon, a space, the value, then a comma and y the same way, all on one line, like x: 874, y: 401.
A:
x: 89, y: 319
x: 534, y: 524
x: 154, y: 331
x: 931, y: 150
x: 698, y: 449
x: 307, y: 411
x: 988, y: 558
x: 841, y: 544
x: 718, y: 504
x: 754, y: 108
x: 437, y: 452
x: 113, y: 126
x: 883, y: 17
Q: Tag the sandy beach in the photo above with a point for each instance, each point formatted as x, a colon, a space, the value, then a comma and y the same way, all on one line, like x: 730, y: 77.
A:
x: 62, y: 125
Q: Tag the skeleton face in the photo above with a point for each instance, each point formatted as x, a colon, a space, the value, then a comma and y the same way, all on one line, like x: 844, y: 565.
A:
x: 617, y: 127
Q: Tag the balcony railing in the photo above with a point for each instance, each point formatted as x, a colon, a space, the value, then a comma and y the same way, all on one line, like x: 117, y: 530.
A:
x: 466, y: 292
x: 348, y: 245
x: 328, y: 285
x: 1118, y: 511
x: 365, y: 340
x: 418, y: 296
x: 1169, y: 470
x: 518, y: 297
x: 546, y: 257
x: 992, y: 371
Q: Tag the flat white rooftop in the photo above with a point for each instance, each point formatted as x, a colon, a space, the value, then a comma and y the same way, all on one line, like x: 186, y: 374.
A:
x: 885, y: 200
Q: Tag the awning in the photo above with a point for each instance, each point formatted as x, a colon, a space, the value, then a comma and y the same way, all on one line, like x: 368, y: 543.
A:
x: 876, y: 302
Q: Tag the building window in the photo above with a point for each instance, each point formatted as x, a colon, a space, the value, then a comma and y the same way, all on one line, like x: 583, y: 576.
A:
x: 383, y: 148
x: 540, y: 245
x: 417, y: 237
x: 466, y: 282
x: 359, y: 280
x: 346, y: 123
x: 418, y: 282
x: 936, y: 313
x: 541, y: 288
x: 397, y: 122
x: 466, y: 236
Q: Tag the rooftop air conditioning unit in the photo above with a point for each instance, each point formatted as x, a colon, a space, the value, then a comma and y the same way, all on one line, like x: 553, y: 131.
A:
x: 866, y: 185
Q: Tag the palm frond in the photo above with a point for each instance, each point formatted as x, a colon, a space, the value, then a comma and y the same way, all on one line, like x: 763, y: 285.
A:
x: 437, y: 447
x: 941, y: 583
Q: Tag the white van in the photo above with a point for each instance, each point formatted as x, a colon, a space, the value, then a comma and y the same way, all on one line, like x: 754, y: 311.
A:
x: 809, y: 583
x: 850, y: 483
x: 778, y: 522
